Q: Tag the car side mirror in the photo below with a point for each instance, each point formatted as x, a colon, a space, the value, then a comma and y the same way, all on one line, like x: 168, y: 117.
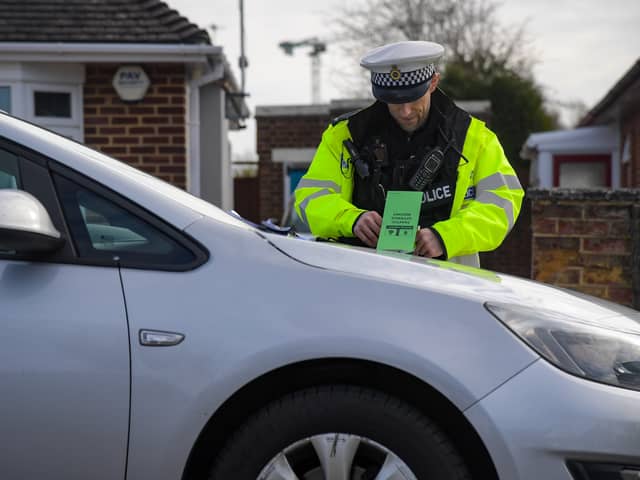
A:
x: 25, y: 225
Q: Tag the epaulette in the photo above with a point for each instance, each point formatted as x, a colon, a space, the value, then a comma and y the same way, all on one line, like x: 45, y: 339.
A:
x: 344, y: 116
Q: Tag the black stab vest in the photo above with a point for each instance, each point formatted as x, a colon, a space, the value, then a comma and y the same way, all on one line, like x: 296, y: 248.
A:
x: 372, y: 127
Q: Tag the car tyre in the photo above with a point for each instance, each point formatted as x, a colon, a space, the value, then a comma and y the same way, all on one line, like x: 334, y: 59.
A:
x: 362, y: 432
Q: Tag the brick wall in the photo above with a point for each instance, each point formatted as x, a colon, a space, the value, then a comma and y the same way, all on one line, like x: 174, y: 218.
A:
x: 588, y: 240
x: 282, y: 132
x: 514, y: 255
x: 150, y: 134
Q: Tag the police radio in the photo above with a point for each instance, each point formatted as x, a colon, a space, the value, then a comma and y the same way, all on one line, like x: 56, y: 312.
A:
x: 427, y: 169
x: 362, y: 167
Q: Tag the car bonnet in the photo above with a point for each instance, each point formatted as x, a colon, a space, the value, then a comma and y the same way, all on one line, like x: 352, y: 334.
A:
x: 452, y: 279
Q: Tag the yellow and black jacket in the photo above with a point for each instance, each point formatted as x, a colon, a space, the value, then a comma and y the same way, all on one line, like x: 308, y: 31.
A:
x: 471, y: 204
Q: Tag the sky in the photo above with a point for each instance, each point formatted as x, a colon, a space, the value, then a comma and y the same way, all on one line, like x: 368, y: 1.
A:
x: 582, y: 48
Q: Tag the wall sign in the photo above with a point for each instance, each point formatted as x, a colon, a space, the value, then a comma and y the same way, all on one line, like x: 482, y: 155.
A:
x: 131, y: 83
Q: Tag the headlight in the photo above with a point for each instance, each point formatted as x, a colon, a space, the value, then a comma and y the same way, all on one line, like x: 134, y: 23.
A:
x: 606, y: 351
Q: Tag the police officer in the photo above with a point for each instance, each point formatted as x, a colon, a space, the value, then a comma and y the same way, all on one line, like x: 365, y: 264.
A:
x: 412, y: 137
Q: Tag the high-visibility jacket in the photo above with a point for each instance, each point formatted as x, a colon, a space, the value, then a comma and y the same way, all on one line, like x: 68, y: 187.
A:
x: 486, y: 201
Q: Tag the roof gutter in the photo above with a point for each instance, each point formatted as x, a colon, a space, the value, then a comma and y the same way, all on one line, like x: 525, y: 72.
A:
x: 105, y: 52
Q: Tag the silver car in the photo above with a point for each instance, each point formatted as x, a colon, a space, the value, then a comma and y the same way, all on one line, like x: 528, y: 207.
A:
x: 146, y: 334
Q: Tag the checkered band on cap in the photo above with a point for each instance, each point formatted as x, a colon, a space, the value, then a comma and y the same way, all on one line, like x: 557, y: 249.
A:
x: 406, y: 79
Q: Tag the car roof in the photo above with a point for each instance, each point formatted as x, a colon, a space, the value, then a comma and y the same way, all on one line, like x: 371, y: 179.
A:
x: 167, y: 201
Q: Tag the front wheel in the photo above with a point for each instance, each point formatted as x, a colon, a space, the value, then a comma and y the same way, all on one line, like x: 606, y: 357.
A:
x: 339, y: 433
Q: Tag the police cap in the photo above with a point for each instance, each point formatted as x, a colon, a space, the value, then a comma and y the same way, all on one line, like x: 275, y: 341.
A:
x: 401, y: 72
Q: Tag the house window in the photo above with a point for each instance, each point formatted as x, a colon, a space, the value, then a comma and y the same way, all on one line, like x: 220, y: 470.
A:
x: 47, y: 94
x: 5, y: 99
x: 52, y: 104
x: 582, y: 171
x: 57, y: 107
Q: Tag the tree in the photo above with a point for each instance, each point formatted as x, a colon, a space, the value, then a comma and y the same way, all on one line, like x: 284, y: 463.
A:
x: 517, y: 104
x: 469, y: 30
x: 483, y: 59
x: 517, y: 109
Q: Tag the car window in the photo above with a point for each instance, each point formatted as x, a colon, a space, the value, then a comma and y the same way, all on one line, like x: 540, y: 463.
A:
x: 9, y: 173
x: 22, y: 169
x: 110, y: 229
x: 105, y: 230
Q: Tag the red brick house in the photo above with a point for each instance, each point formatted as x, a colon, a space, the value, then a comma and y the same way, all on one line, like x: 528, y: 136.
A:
x: 620, y: 108
x: 588, y: 239
x: 603, y: 151
x: 131, y: 78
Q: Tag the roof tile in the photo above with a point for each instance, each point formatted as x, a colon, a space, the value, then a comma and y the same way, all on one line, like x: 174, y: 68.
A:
x: 96, y: 21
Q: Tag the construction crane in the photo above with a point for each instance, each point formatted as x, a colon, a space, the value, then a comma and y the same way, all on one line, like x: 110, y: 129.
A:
x: 317, y: 47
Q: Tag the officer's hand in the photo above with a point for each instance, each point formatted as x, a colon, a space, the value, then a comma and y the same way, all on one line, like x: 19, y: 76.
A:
x: 428, y: 244
x: 367, y: 228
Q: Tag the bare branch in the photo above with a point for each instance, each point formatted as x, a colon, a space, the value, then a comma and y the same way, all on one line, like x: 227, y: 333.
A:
x: 469, y: 30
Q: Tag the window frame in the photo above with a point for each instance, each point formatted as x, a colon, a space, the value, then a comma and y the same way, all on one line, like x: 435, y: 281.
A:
x: 37, y: 175
x: 74, y: 92
x: 599, y: 159
x: 200, y: 254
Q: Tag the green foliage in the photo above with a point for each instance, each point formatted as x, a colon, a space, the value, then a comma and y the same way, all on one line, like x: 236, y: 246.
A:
x: 517, y: 104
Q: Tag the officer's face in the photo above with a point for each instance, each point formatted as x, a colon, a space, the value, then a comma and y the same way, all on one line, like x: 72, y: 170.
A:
x: 411, y: 116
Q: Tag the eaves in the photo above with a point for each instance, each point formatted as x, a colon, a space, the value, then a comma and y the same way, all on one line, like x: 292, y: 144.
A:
x: 106, y: 52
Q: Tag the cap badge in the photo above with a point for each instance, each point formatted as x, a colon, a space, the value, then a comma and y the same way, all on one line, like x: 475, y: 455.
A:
x: 395, y: 73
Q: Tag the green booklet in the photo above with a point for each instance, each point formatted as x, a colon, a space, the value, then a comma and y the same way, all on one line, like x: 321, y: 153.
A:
x: 400, y: 221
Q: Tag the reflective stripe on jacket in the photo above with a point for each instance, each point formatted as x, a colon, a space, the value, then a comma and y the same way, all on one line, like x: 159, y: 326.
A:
x: 486, y: 203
